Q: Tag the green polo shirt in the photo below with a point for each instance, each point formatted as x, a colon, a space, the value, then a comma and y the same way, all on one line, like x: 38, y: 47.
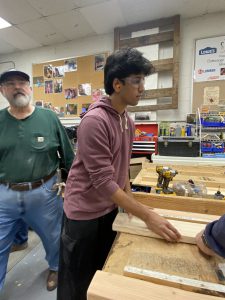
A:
x: 30, y: 148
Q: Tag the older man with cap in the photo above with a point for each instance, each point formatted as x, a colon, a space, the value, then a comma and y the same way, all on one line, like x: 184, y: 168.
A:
x: 33, y: 146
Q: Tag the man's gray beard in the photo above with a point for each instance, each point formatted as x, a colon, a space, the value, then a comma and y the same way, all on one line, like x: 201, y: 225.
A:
x: 21, y: 100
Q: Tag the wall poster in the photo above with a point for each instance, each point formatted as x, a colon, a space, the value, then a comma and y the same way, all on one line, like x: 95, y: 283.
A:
x: 210, y: 59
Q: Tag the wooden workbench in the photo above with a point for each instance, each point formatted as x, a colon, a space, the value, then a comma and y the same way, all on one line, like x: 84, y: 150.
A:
x: 158, y: 255
x: 178, y: 259
x: 211, y: 177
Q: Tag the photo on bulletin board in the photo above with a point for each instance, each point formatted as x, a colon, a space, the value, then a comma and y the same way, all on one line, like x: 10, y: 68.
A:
x: 48, y: 72
x: 84, y: 89
x: 38, y: 81
x: 61, y: 113
x: 85, y: 107
x: 47, y: 105
x: 99, y: 62
x: 58, y: 86
x: 97, y: 94
x: 48, y: 87
x: 58, y: 71
x: 70, y: 65
x: 39, y: 103
x: 71, y: 93
x: 71, y: 109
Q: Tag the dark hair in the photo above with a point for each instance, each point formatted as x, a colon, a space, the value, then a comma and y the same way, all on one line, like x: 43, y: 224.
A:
x: 125, y: 62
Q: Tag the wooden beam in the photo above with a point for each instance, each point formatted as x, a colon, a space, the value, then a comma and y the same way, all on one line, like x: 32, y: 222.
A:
x: 158, y: 93
x: 176, y: 59
x: 110, y: 286
x: 149, y: 107
x: 116, y: 38
x: 186, y: 216
x: 148, y: 25
x: 133, y: 225
x: 176, y: 281
x: 198, y: 205
x: 147, y: 40
x: 163, y: 64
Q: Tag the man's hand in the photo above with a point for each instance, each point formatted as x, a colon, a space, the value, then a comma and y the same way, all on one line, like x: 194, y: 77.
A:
x: 162, y: 227
x: 202, y: 246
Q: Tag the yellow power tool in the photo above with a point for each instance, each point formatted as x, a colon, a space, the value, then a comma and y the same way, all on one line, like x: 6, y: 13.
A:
x: 165, y: 175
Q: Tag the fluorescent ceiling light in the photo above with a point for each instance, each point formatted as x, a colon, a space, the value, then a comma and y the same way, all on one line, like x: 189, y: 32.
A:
x: 4, y: 23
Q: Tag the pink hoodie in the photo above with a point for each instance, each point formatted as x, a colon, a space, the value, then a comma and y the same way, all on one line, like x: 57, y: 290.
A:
x: 101, y: 165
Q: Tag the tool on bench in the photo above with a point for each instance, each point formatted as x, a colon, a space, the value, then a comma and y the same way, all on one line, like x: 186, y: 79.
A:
x: 165, y: 175
x: 218, y: 195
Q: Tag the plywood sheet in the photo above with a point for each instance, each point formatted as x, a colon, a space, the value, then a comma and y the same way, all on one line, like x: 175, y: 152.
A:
x: 133, y: 225
x: 158, y: 255
x: 116, y: 287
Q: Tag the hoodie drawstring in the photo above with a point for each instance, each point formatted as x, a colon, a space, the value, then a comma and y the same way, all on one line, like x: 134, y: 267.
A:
x: 121, y: 122
x: 126, y: 126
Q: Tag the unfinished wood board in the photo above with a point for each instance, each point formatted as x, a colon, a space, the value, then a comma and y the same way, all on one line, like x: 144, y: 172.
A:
x: 187, y: 169
x: 116, y: 287
x: 176, y: 281
x: 146, y: 177
x: 133, y: 225
x: 212, y: 178
x: 186, y: 216
x: 178, y: 259
x: 198, y: 205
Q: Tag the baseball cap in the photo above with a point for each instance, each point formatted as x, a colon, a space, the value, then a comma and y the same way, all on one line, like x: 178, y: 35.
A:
x: 8, y: 74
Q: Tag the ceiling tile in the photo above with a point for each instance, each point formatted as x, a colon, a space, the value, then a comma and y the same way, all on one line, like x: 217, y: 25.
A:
x: 83, y: 3
x: 52, y: 7
x: 43, y: 32
x: 104, y: 17
x: 6, y: 47
x: 74, y: 25
x: 17, y: 12
x: 17, y: 38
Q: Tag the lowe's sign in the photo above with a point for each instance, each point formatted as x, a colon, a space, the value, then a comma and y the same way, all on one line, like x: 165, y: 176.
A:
x: 207, y: 50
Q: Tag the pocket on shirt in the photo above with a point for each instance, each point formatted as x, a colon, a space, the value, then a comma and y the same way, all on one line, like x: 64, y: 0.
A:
x: 39, y: 141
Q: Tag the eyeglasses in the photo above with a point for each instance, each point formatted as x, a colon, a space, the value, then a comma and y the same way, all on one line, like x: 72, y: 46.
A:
x: 14, y: 83
x: 135, y: 81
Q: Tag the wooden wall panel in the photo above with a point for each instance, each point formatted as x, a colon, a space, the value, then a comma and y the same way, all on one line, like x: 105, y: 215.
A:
x: 169, y: 30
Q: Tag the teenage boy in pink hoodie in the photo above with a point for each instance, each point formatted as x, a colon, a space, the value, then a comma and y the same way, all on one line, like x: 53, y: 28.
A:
x: 98, y: 181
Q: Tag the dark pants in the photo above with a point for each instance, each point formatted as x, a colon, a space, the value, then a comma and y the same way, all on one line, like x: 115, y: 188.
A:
x: 83, y: 250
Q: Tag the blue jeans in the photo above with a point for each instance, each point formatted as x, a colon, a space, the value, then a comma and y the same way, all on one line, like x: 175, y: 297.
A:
x: 41, y: 209
x: 21, y: 236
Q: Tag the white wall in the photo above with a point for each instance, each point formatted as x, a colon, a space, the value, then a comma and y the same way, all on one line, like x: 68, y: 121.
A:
x: 191, y: 29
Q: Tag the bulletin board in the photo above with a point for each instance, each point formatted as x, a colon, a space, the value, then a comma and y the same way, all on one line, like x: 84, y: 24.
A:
x: 70, y: 85
x: 209, y: 72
